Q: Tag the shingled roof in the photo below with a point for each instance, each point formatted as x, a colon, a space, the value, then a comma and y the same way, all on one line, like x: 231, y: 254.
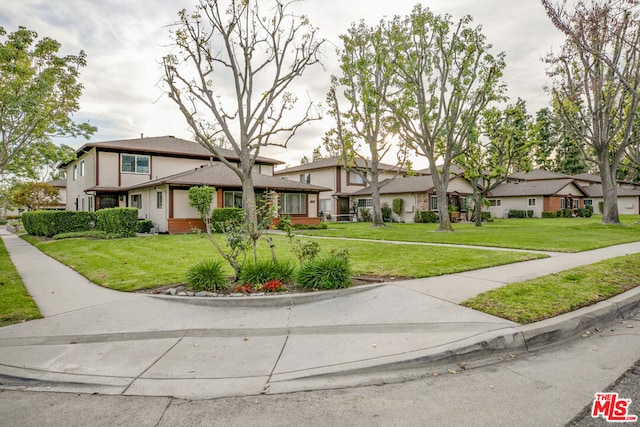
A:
x: 219, y: 175
x: 333, y: 162
x: 167, y: 145
x: 595, y: 190
x: 546, y: 187
x: 538, y: 175
x: 412, y: 184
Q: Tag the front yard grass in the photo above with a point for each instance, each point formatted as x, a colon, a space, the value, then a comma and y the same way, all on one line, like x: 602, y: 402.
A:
x: 554, y: 234
x: 146, y: 262
x: 16, y: 305
x: 555, y: 294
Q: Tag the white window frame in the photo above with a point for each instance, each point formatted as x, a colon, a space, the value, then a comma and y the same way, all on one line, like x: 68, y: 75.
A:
x: 75, y: 172
x: 365, y: 203
x: 531, y: 202
x: 91, y: 204
x: 234, y: 197
x: 136, y: 201
x: 495, y: 203
x: 82, y: 168
x: 355, y: 178
x: 136, y: 159
x: 305, y: 178
x: 563, y: 203
x: 576, y: 203
x: 326, y: 206
x: 287, y: 203
x: 588, y: 202
x: 433, y: 203
x: 159, y: 200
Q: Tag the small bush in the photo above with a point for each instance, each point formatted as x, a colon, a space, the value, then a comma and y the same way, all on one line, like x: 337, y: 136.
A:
x: 397, y: 205
x: 559, y: 214
x: 586, y: 212
x: 120, y: 221
x: 529, y: 214
x: 321, y: 226
x: 567, y: 213
x: 50, y: 223
x: 548, y: 214
x: 601, y: 206
x: 486, y: 216
x: 330, y: 272
x: 264, y: 271
x: 425, y: 217
x: 305, y: 250
x: 145, y: 225
x: 364, y: 215
x: 207, y: 275
x: 386, y: 212
x: 221, y: 218
x: 515, y: 213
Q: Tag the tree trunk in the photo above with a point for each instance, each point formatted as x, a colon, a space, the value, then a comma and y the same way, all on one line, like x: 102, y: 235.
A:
x: 249, y: 204
x: 377, y: 207
x: 477, y: 209
x: 443, y: 210
x: 609, y: 192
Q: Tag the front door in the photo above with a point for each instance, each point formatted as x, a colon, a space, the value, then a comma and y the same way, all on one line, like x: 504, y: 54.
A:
x: 343, y: 208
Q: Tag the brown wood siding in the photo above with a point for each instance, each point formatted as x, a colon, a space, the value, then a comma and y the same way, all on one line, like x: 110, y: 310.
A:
x: 338, y: 180
x: 170, y: 202
x: 97, y: 168
x: 220, y: 198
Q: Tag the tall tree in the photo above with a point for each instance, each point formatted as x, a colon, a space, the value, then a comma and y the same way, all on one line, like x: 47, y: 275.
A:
x: 504, y: 148
x: 232, y: 79
x: 39, y: 93
x: 365, y: 126
x: 596, y: 82
x: 34, y: 195
x: 446, y: 76
x: 543, y: 135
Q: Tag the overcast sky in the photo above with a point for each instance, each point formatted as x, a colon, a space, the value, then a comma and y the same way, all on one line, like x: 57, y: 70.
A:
x: 125, y: 41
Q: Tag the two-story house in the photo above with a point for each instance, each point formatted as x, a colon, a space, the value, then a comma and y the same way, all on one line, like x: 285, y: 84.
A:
x: 341, y: 183
x: 154, y: 175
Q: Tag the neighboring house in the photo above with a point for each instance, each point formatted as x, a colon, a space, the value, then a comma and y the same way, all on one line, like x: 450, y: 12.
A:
x: 341, y: 182
x: 104, y: 173
x: 418, y: 194
x: 535, y: 195
x: 61, y: 185
x: 628, y: 200
x: 165, y: 201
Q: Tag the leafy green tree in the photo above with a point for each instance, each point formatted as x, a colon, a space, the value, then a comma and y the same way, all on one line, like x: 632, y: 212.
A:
x: 596, y: 83
x: 232, y: 77
x: 364, y: 128
x: 543, y: 135
x: 446, y: 77
x: 39, y: 93
x: 34, y: 196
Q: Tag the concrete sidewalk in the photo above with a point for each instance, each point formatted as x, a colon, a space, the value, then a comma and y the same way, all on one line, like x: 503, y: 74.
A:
x: 96, y: 340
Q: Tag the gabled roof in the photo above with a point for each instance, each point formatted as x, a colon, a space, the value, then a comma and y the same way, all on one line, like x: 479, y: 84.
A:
x: 453, y: 170
x: 546, y: 187
x: 595, y: 190
x: 589, y: 177
x: 333, y: 162
x: 538, y: 175
x: 166, y: 145
x: 219, y: 175
x: 58, y: 183
x: 411, y: 184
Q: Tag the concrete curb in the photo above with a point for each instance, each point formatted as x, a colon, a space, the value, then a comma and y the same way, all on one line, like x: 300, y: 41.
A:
x: 268, y: 300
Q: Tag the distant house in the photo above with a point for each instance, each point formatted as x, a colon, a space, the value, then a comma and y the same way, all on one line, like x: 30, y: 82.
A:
x: 341, y: 182
x: 418, y: 194
x: 61, y: 185
x: 628, y: 200
x: 146, y: 173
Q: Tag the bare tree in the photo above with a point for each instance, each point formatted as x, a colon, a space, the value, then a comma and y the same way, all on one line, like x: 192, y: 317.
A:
x: 232, y: 79
x: 596, y: 82
x: 446, y: 78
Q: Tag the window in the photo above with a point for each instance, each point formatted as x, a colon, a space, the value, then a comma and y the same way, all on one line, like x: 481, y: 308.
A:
x: 293, y: 203
x: 496, y: 203
x: 365, y: 203
x: 326, y: 205
x: 588, y: 202
x: 532, y: 202
x: 75, y: 172
x: 233, y: 199
x: 82, y: 204
x: 433, y: 203
x: 563, y: 204
x: 159, y: 200
x: 135, y: 164
x: 355, y: 178
x: 576, y: 203
x: 305, y: 178
x: 82, y: 168
x: 136, y: 201
x: 90, y: 204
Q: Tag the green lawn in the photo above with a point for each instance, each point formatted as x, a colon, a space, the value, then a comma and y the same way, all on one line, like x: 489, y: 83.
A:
x: 145, y: 262
x: 555, y: 234
x: 16, y: 304
x: 549, y: 296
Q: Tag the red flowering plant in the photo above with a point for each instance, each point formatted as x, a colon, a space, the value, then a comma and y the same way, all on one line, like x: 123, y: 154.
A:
x: 274, y: 285
x: 246, y: 289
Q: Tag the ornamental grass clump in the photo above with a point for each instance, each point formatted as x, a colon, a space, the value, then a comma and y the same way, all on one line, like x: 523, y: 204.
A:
x: 329, y: 272
x: 207, y: 275
x: 263, y: 271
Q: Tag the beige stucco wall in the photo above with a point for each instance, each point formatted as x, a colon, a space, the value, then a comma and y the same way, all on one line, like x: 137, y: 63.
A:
x: 626, y: 205
x: 571, y: 189
x: 517, y: 203
x: 150, y: 208
x: 181, y: 208
x: 459, y: 185
x: 109, y: 168
x: 166, y: 166
x: 76, y: 187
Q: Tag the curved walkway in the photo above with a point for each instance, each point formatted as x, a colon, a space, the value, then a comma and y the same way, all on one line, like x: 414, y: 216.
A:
x: 100, y: 341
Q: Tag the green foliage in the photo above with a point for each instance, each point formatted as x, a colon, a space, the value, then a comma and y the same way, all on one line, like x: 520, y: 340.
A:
x: 120, y: 221
x: 386, y: 212
x: 40, y: 93
x: 34, y: 196
x: 144, y: 225
x: 364, y: 215
x: 397, y: 206
x: 601, y: 206
x: 50, y: 223
x: 263, y: 271
x: 515, y: 213
x: 16, y: 305
x: 548, y: 214
x: 221, y: 218
x: 425, y: 217
x: 201, y: 198
x: 321, y: 226
x: 207, y: 275
x: 486, y: 216
x: 329, y: 272
x: 305, y: 250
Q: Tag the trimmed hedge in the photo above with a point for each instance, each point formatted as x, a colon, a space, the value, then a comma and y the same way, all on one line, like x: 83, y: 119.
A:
x: 50, y: 223
x: 548, y: 214
x: 120, y: 221
x: 220, y: 217
x: 425, y: 217
x: 144, y: 225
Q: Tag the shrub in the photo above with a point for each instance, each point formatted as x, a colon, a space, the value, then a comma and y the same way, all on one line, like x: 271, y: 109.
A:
x: 321, y: 226
x: 50, y: 223
x: 601, y: 206
x: 144, y: 226
x: 386, y: 212
x: 365, y: 215
x: 305, y: 250
x: 425, y: 217
x: 515, y: 213
x: 588, y: 211
x: 397, y: 205
x: 207, y: 275
x: 263, y: 271
x: 548, y: 214
x: 221, y: 218
x: 486, y: 216
x: 120, y: 221
x: 330, y: 272
x: 567, y: 213
x: 529, y: 214
x: 94, y: 234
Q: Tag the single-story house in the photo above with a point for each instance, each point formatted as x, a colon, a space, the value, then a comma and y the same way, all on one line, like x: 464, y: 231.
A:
x: 418, y: 194
x: 165, y: 201
x: 628, y: 200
